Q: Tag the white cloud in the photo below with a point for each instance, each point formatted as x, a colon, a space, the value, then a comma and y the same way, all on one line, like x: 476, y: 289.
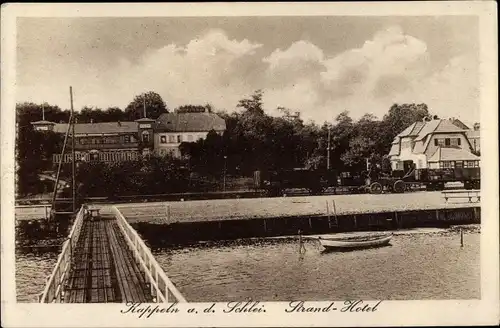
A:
x: 298, y: 53
x: 391, y: 67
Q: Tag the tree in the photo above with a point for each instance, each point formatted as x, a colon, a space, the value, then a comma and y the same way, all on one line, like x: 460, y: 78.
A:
x: 155, y: 106
x: 400, y: 117
x: 253, y: 105
x: 194, y: 109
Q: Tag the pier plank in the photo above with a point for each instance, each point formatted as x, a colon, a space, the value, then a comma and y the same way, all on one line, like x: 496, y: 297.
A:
x: 104, y: 269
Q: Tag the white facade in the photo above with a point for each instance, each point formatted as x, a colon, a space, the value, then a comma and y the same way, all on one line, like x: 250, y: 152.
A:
x: 419, y: 142
x: 169, y: 142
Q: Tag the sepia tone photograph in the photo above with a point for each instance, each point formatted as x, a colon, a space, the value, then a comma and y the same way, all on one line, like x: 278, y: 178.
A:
x: 248, y: 159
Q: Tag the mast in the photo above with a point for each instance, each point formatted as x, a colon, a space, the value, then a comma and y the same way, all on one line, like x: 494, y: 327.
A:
x: 328, y: 150
x: 60, y: 163
x: 73, y: 149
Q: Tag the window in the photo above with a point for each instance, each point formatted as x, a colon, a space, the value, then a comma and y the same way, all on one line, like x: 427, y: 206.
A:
x: 163, y: 139
x: 171, y: 139
x: 459, y: 164
x: 471, y: 164
x: 459, y: 141
x: 454, y: 142
x: 447, y: 142
x: 145, y: 136
x: 127, y: 138
x: 447, y: 164
x: 179, y: 138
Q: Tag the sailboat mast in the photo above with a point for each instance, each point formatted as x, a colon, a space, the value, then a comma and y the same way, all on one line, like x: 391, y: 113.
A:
x: 73, y: 149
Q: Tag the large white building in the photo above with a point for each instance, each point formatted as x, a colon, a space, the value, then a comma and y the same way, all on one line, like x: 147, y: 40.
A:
x: 431, y: 144
x: 171, y: 129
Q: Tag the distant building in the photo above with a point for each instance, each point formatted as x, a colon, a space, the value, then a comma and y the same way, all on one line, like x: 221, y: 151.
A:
x: 439, y: 143
x: 109, y: 141
x: 475, y: 137
x: 171, y: 129
x: 43, y: 125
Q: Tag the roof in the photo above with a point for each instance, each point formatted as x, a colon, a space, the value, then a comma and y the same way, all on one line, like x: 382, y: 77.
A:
x: 419, y: 147
x: 42, y: 123
x: 459, y: 123
x: 145, y: 119
x: 452, y: 154
x: 97, y: 128
x: 190, y: 122
x: 473, y: 134
x: 394, y: 150
x: 412, y: 130
x: 435, y: 126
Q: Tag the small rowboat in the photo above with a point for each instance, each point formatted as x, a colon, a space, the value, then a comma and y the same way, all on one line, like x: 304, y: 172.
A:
x: 355, y: 242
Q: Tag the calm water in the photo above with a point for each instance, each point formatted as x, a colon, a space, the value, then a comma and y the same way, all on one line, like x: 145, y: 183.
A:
x: 31, y: 272
x: 416, y: 266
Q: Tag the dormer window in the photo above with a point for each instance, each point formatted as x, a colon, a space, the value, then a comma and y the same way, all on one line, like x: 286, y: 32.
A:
x: 145, y: 136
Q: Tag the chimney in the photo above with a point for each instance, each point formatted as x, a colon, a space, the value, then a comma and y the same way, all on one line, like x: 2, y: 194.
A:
x: 43, y: 112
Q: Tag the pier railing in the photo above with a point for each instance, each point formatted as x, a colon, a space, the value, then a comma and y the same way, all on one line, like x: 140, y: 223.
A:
x: 161, y: 286
x: 54, y: 289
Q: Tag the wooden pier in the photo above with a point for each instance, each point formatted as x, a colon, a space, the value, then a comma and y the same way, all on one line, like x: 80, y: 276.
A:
x: 103, y: 261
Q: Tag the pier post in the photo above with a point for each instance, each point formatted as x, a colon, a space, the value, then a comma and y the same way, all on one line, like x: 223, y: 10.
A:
x: 328, y: 214
x: 335, y: 213
x: 461, y: 237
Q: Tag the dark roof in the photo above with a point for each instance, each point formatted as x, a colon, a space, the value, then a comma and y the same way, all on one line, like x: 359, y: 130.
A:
x: 459, y: 123
x: 190, y: 122
x: 97, y: 128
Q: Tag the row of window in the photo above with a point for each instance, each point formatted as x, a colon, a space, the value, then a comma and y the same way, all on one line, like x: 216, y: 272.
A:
x: 106, y: 140
x: 130, y: 138
x: 176, y: 138
x: 447, y: 142
x: 458, y: 164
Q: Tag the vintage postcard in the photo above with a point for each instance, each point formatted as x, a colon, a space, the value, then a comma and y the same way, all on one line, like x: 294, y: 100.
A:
x: 249, y: 164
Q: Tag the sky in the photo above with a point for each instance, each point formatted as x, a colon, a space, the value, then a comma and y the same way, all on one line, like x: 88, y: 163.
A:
x: 319, y: 66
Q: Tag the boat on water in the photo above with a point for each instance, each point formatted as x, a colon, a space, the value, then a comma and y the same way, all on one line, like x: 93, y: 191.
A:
x: 357, y: 242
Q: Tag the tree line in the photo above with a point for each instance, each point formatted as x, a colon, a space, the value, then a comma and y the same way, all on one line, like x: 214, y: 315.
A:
x: 253, y: 140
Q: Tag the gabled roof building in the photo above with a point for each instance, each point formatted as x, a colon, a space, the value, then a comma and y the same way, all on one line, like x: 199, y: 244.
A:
x: 439, y: 143
x: 172, y: 129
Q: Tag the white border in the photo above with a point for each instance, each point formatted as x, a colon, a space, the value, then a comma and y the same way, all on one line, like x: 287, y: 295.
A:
x: 485, y: 311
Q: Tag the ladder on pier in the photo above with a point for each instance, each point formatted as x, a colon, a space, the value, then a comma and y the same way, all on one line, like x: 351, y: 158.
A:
x: 104, y: 260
